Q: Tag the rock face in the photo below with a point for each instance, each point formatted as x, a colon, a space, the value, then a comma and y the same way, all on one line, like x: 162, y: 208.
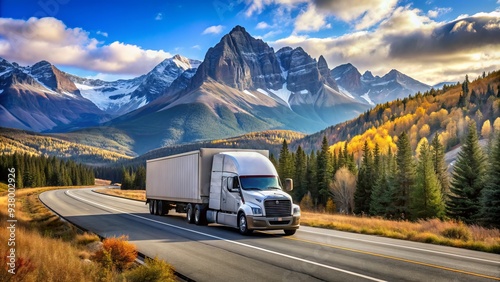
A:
x: 326, y: 76
x: 303, y: 73
x: 53, y: 78
x: 42, y: 98
x: 348, y: 77
x: 242, y: 62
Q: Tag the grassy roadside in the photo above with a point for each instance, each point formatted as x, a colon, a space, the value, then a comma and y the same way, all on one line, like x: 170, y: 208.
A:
x: 435, y: 231
x: 129, y: 194
x: 49, y: 249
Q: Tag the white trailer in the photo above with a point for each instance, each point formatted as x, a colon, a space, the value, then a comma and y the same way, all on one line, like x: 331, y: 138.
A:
x: 238, y: 188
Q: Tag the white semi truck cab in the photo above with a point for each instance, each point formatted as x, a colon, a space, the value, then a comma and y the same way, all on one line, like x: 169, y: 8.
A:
x: 238, y: 188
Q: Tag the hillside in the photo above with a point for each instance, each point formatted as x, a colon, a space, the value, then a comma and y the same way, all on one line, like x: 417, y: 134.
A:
x: 445, y: 111
x: 267, y: 140
x: 36, y: 144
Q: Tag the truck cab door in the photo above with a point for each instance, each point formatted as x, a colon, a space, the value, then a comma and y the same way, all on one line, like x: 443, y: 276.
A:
x: 230, y: 197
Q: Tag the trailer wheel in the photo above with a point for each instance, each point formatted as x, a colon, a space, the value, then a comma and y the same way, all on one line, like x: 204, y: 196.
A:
x: 243, y: 224
x: 190, y: 213
x: 200, y: 215
x: 161, y: 207
x: 151, y: 207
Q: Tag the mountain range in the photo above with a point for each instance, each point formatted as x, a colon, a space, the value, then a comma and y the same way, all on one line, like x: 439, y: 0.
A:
x: 376, y: 89
x: 242, y: 85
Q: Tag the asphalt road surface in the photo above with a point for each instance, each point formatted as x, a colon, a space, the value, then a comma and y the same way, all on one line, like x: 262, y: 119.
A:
x: 218, y: 253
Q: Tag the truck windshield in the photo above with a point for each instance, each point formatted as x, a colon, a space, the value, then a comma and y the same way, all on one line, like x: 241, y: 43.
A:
x: 259, y: 182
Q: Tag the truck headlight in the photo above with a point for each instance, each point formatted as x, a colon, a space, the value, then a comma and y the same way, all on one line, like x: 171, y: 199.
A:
x: 257, y: 211
x: 296, y: 210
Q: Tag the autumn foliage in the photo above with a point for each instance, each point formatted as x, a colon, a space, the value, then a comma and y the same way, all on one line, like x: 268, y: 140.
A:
x: 116, y: 252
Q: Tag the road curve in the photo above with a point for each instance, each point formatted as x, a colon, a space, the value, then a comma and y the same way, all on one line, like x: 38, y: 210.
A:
x: 217, y: 253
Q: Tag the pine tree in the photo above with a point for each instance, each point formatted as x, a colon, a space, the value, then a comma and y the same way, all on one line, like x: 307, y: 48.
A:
x: 405, y: 178
x: 285, y: 164
x: 140, y: 178
x: 467, y: 179
x: 127, y: 181
x: 440, y: 168
x: 311, y: 176
x: 381, y: 195
x: 376, y: 163
x: 18, y: 164
x: 324, y: 171
x: 300, y: 181
x: 426, y: 200
x: 362, y: 195
x: 490, y: 198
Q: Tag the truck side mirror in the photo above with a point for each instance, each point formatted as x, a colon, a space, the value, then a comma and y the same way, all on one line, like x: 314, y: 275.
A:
x: 288, y: 184
x: 236, y: 182
x: 232, y: 184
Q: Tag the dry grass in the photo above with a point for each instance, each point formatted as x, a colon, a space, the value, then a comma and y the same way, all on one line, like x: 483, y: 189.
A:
x: 129, y: 194
x: 43, y: 247
x: 48, y: 249
x: 435, y: 231
x: 86, y: 238
x: 102, y: 182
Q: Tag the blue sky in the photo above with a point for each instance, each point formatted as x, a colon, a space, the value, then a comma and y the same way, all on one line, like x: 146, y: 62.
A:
x: 120, y: 39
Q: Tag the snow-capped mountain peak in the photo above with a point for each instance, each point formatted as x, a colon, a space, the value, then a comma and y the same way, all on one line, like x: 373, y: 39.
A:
x: 122, y: 96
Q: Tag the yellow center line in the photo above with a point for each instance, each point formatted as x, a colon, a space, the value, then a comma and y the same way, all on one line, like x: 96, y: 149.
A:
x: 394, y: 258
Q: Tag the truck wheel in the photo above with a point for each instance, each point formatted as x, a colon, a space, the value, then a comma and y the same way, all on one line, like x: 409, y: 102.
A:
x: 190, y: 213
x: 157, y: 205
x: 289, y: 232
x: 161, y: 207
x: 200, y: 215
x: 151, y: 207
x: 243, y: 224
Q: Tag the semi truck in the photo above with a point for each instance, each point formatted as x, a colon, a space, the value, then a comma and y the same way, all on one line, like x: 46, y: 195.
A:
x: 234, y: 187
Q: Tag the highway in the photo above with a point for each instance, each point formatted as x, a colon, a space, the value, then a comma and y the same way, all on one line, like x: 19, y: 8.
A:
x: 217, y: 253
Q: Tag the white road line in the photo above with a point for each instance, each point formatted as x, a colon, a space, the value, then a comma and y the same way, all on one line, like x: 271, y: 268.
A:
x: 401, y: 246
x: 230, y: 241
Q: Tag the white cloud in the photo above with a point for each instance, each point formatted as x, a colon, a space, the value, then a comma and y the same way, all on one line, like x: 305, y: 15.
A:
x: 271, y: 33
x: 257, y: 6
x: 105, y: 34
x: 362, y: 13
x: 438, y: 12
x: 197, y: 47
x: 33, y: 40
x: 262, y: 25
x: 413, y: 43
x: 159, y: 17
x: 463, y: 26
x: 215, y: 29
x: 311, y: 20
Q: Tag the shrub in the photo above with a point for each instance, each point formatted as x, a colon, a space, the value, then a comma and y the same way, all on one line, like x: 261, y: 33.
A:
x: 154, y: 270
x: 307, y: 203
x: 460, y: 232
x: 330, y: 206
x: 116, y: 253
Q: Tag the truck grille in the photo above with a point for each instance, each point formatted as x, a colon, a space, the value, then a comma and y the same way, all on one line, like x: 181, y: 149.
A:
x: 278, y: 208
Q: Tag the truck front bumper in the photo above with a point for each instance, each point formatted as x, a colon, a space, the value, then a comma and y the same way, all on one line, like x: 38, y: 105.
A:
x: 273, y: 223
